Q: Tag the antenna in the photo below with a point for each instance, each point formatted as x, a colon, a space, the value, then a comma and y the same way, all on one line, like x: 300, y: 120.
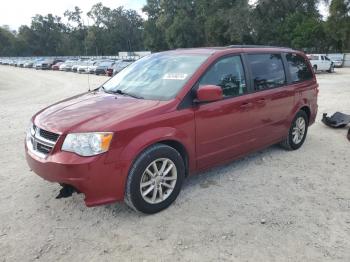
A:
x: 88, y: 73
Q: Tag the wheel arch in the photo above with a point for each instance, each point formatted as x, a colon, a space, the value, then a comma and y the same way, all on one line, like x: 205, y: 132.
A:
x: 307, y: 110
x: 177, y: 139
x: 179, y: 147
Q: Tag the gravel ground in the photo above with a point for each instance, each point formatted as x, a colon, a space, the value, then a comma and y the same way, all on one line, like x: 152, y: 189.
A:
x: 271, y: 206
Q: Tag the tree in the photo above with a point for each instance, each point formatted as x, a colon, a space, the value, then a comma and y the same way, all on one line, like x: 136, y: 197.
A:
x: 114, y: 30
x: 7, y: 43
x: 45, y: 35
x: 270, y: 15
x: 154, y: 33
x: 75, y: 35
x: 338, y: 24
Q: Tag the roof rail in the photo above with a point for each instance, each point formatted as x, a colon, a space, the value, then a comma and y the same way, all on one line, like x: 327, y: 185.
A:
x: 256, y: 46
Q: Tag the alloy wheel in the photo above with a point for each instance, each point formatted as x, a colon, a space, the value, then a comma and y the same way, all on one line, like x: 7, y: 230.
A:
x: 158, y: 180
x: 299, y: 130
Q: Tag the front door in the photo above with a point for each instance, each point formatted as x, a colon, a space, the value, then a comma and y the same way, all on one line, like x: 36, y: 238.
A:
x: 223, y: 127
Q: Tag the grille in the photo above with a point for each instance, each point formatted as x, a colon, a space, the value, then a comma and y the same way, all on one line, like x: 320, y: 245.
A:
x: 42, y: 142
x: 48, y: 135
x: 43, y: 148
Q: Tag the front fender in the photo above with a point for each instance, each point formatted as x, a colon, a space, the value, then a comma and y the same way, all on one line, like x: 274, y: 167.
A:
x: 146, y: 139
x: 152, y: 136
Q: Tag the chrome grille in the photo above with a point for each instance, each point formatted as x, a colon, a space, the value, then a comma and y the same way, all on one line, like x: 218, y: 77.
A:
x: 40, y: 141
x: 48, y: 135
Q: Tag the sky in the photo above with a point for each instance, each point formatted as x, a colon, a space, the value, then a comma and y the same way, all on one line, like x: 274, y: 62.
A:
x: 17, y: 13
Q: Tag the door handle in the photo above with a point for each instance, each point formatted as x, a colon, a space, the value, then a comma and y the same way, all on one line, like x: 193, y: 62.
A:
x: 246, y: 106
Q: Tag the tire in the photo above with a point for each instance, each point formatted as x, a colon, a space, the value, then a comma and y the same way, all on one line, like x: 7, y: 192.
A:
x: 290, y: 143
x: 315, y: 68
x: 138, y: 174
x: 331, y: 69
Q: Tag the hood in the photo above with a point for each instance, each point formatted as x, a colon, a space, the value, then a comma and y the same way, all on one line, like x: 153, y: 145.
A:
x: 89, y: 112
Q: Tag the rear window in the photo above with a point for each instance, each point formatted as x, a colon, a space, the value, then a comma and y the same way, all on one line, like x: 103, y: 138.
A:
x: 267, y: 71
x: 298, y: 68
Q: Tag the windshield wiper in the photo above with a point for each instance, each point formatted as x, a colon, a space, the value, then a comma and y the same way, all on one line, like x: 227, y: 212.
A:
x: 106, y: 91
x: 121, y: 92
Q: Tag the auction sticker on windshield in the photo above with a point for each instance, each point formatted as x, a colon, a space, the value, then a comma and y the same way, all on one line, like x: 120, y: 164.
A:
x: 175, y: 76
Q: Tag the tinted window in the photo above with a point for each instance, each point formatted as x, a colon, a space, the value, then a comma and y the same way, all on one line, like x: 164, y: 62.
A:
x: 298, y: 68
x: 267, y: 71
x: 227, y: 73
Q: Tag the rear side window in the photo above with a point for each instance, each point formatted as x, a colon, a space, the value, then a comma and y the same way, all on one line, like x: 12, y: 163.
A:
x: 267, y: 71
x: 298, y: 68
x: 227, y: 73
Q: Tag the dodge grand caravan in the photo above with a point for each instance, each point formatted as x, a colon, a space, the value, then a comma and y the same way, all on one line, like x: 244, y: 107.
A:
x: 169, y: 115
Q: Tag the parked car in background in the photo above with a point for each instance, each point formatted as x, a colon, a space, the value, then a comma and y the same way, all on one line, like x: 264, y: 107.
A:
x: 111, y: 69
x: 67, y: 65
x: 20, y: 63
x: 91, y: 68
x: 321, y: 63
x: 28, y: 64
x: 56, y: 66
x: 37, y: 62
x: 77, y: 64
x: 44, y: 64
x: 120, y: 66
x: 170, y: 115
x: 85, y: 67
x: 103, y: 66
x: 338, y: 59
x: 13, y: 62
x: 5, y: 61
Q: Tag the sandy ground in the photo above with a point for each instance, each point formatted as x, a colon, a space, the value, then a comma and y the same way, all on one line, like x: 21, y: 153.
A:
x: 271, y: 206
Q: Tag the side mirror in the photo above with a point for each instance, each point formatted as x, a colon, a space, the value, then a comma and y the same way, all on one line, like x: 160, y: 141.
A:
x: 209, y: 93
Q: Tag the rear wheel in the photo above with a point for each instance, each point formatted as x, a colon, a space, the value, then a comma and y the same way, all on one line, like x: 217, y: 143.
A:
x: 315, y: 68
x: 297, y: 132
x: 155, y: 179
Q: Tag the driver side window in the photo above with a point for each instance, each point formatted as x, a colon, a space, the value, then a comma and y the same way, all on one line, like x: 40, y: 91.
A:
x: 227, y: 73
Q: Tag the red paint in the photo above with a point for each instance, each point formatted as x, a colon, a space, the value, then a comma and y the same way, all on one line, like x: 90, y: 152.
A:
x: 209, y: 93
x: 109, y: 72
x: 212, y: 133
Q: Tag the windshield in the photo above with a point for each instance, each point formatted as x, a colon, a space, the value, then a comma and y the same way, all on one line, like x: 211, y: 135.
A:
x: 156, y: 77
x: 105, y: 63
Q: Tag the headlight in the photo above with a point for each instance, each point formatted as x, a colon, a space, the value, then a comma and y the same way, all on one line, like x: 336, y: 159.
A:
x: 87, y: 144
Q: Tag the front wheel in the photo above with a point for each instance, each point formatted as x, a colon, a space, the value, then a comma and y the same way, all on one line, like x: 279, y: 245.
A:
x: 331, y: 69
x: 155, y: 179
x: 297, y: 132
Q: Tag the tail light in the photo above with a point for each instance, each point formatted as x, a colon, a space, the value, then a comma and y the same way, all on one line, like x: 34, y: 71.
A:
x: 109, y: 71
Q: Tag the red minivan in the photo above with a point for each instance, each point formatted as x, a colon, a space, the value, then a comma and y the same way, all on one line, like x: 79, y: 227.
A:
x: 169, y: 115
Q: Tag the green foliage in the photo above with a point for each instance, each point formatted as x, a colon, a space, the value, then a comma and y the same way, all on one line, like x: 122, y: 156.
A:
x: 338, y: 24
x: 7, y: 43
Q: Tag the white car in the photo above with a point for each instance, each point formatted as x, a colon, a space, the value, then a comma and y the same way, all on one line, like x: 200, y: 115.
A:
x: 321, y: 63
x: 338, y: 59
x: 85, y: 68
x: 67, y: 66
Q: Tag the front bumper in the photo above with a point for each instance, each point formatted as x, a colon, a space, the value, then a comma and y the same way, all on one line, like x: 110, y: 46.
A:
x: 100, y: 181
x: 338, y: 64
